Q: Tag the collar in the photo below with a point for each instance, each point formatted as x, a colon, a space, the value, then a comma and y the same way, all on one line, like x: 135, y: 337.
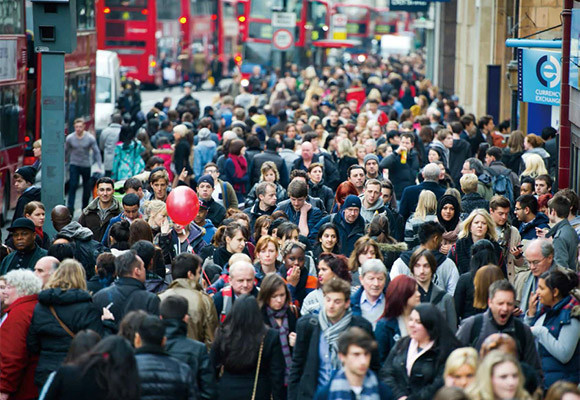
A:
x: 151, y: 349
x: 365, y: 299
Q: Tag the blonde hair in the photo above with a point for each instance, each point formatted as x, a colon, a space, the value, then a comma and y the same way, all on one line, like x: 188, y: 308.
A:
x: 153, y: 207
x: 535, y: 166
x: 37, y: 144
x: 460, y: 357
x: 468, y: 183
x: 466, y: 228
x: 70, y: 274
x: 345, y: 148
x: 269, y: 166
x: 427, y: 205
x: 482, y: 387
x: 358, y: 147
x: 374, y: 94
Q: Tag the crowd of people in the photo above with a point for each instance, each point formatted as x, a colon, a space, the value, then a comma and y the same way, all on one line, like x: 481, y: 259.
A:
x: 359, y: 236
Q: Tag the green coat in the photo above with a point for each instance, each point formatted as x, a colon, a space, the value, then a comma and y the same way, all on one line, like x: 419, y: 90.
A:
x: 37, y: 255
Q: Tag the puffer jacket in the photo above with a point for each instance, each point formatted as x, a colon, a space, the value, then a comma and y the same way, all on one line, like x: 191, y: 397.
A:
x: 90, y: 218
x: 86, y: 249
x: 556, y: 330
x: 472, y: 201
x: 127, y: 294
x: 203, y: 320
x: 162, y: 376
x: 528, y: 230
x: 426, y: 374
x: 48, y: 338
x: 193, y: 353
x: 391, y: 251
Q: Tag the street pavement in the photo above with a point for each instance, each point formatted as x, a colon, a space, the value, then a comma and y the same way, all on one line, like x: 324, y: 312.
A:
x: 148, y: 100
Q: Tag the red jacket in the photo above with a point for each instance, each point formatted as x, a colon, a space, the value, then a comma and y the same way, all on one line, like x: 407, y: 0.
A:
x: 17, y: 366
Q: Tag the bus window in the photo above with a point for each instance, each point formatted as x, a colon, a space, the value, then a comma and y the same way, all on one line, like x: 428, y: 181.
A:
x: 168, y: 9
x: 11, y: 17
x: 9, y: 115
x: 85, y: 14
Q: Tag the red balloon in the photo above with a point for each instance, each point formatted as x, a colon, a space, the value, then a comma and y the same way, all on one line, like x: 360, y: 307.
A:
x: 182, y: 205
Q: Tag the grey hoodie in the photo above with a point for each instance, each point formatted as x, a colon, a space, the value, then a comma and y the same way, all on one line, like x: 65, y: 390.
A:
x: 75, y: 231
x: 369, y: 213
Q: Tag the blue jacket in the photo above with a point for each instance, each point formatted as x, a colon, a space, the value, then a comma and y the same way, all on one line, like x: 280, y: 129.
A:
x: 387, y: 334
x: 348, y: 233
x: 314, y: 215
x: 556, y: 317
x: 410, y: 198
x: 355, y: 301
x: 528, y: 230
x: 118, y: 218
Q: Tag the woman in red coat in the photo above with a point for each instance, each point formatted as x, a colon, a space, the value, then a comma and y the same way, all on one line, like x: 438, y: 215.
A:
x: 16, y: 365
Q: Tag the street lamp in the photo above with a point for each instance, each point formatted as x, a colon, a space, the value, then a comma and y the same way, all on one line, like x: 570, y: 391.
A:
x: 512, y: 76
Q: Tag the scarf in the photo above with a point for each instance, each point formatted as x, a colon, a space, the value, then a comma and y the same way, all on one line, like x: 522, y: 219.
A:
x: 340, y: 388
x: 283, y: 331
x: 332, y: 332
x: 444, y: 200
x: 39, y: 232
x: 241, y: 166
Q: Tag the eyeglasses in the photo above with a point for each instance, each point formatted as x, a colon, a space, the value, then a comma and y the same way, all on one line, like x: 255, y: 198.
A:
x: 518, y: 209
x: 210, y: 171
x: 536, y: 262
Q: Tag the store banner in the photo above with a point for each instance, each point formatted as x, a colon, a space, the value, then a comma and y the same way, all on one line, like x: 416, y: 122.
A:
x: 409, y: 5
x: 539, y: 74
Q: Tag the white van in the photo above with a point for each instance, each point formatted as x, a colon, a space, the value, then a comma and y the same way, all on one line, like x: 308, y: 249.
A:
x: 108, y: 88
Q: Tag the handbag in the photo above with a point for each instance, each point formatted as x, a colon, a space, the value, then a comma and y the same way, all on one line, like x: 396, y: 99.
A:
x: 258, y: 369
x: 62, y: 324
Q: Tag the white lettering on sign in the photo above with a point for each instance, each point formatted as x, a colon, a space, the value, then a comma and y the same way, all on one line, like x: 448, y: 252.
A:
x: 8, y: 60
x: 283, y: 20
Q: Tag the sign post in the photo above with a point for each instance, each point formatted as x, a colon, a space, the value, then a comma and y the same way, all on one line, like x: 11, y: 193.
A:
x: 54, y: 35
x: 283, y: 32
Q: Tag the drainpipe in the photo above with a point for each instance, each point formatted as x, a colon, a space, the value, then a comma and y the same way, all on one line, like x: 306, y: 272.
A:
x: 564, y: 152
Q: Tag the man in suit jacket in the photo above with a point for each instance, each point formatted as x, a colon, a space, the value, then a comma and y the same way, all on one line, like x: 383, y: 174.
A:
x: 410, y: 198
x: 317, y: 335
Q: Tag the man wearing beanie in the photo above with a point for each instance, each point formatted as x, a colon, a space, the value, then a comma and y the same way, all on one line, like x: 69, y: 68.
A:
x: 24, y: 178
x: 371, y: 164
x: 351, y: 225
x: 215, y: 212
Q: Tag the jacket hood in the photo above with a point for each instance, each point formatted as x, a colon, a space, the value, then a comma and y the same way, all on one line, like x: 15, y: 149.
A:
x: 175, y: 328
x: 394, y: 247
x: 75, y: 231
x: 55, y: 296
x: 378, y: 204
x: 439, y: 257
x: 539, y: 151
x: 485, y: 179
x: 204, y: 134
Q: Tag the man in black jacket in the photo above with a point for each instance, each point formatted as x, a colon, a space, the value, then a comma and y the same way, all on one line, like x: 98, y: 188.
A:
x: 128, y: 293
x: 173, y: 311
x: 162, y: 376
x: 24, y: 178
x: 317, y: 335
x: 270, y: 154
x: 205, y: 187
x: 266, y: 204
x: 403, y: 169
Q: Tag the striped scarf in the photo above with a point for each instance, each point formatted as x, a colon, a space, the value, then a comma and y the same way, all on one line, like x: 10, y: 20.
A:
x: 331, y: 333
x: 283, y: 331
x: 340, y: 388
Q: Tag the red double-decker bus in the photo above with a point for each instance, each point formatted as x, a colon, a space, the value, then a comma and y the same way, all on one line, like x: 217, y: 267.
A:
x: 14, y: 137
x: 129, y: 28
x: 209, y: 27
x: 360, y: 26
x: 312, y: 21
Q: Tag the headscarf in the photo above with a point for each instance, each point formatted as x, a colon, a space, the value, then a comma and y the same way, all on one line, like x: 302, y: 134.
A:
x: 449, y: 199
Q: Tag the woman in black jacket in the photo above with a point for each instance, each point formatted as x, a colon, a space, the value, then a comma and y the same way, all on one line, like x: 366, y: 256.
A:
x: 414, y: 368
x: 317, y: 186
x: 243, y: 348
x: 477, y: 226
x: 108, y: 371
x: 64, y: 308
x: 274, y: 299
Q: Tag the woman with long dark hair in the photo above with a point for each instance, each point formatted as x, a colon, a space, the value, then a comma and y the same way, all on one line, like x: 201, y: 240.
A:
x: 274, y: 300
x: 128, y: 161
x: 327, y: 241
x: 108, y: 371
x: 414, y: 368
x: 330, y: 266
x: 247, y: 355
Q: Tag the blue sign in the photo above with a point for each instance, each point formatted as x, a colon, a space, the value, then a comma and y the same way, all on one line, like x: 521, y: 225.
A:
x: 575, y: 49
x: 409, y: 5
x: 539, y: 74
